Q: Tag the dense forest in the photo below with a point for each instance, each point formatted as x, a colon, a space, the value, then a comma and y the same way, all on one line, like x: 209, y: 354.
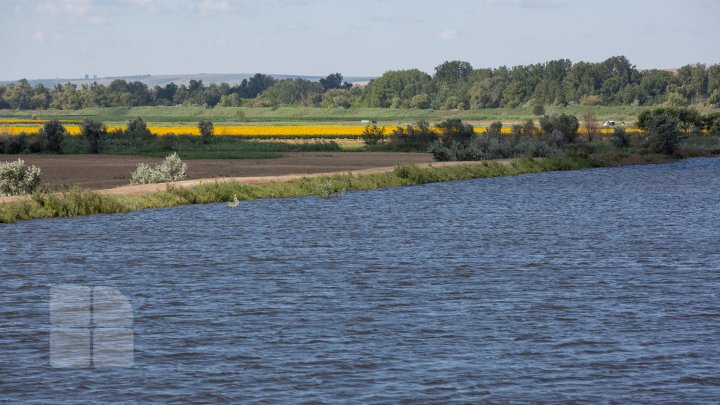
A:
x: 454, y: 85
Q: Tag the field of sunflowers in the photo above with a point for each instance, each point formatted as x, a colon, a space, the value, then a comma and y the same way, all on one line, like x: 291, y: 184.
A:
x: 16, y: 127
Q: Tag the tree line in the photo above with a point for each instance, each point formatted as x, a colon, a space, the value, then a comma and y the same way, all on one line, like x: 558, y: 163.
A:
x: 454, y: 85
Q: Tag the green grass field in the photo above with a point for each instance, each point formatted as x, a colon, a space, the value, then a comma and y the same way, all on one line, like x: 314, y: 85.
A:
x: 181, y: 115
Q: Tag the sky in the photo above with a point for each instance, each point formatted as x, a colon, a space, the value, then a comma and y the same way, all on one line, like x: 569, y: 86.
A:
x: 44, y: 39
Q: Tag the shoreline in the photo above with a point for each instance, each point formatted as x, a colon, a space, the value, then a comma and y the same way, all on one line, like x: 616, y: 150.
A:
x: 130, y: 190
x: 80, y: 202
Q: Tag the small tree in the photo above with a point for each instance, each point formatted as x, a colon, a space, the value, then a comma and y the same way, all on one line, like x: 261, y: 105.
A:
x: 53, y: 132
x: 664, y: 134
x: 373, y: 135
x: 92, y: 133
x: 207, y: 129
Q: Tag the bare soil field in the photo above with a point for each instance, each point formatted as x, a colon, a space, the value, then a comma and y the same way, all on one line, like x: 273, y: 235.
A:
x: 107, y: 171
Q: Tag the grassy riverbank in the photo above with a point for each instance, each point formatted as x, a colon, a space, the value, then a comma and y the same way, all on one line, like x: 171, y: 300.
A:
x: 78, y: 202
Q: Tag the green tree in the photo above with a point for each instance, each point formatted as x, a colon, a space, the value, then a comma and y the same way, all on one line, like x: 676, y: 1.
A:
x: 421, y: 101
x: 664, y: 134
x: 452, y: 71
x: 565, y: 124
x: 53, y: 133
x: 92, y: 133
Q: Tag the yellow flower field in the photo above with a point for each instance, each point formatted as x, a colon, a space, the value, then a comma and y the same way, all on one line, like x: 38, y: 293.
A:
x: 250, y: 131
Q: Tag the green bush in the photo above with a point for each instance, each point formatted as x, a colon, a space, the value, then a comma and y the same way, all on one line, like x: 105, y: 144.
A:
x: 620, y: 139
x: 53, y: 133
x: 566, y: 124
x: 92, y: 133
x: 138, y: 128
x: 171, y: 169
x: 687, y: 118
x: 417, y: 137
x: 664, y: 134
x: 17, y: 179
x: 16, y: 144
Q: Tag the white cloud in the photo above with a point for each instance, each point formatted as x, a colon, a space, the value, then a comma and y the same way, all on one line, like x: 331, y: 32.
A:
x: 85, y: 11
x: 449, y: 34
x: 214, y: 6
x: 39, y: 37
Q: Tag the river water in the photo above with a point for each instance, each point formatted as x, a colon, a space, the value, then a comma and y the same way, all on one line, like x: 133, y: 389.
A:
x: 590, y: 285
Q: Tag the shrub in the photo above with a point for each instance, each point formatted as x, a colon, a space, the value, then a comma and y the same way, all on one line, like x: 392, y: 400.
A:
x: 686, y: 117
x: 372, y: 135
x: 36, y: 146
x: 455, y: 131
x: 138, y: 128
x: 207, y: 129
x: 17, y: 179
x: 495, y: 129
x: 529, y: 128
x: 455, y: 152
x: 620, y: 138
x: 663, y: 131
x: 417, y: 137
x: 566, y: 124
x: 53, y: 133
x: 171, y: 169
x: 92, y: 133
x: 16, y: 144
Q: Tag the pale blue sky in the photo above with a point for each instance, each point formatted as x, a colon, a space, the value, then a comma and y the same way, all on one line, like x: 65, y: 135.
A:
x: 68, y: 38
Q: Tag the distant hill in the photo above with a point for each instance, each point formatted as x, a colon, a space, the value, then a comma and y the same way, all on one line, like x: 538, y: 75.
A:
x: 161, y: 80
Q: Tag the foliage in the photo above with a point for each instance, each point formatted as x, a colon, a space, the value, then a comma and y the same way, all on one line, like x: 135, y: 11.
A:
x: 454, y: 85
x: 17, y: 179
x: 538, y: 109
x: 373, y: 135
x: 416, y: 137
x: 620, y: 138
x: 207, y: 129
x: 565, y: 124
x: 664, y: 134
x: 138, y: 128
x: 687, y: 118
x: 53, y: 133
x: 92, y: 133
x: 14, y: 145
x: 171, y: 169
x: 455, y: 131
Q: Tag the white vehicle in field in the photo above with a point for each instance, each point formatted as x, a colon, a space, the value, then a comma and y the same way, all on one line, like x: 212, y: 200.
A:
x: 609, y: 123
